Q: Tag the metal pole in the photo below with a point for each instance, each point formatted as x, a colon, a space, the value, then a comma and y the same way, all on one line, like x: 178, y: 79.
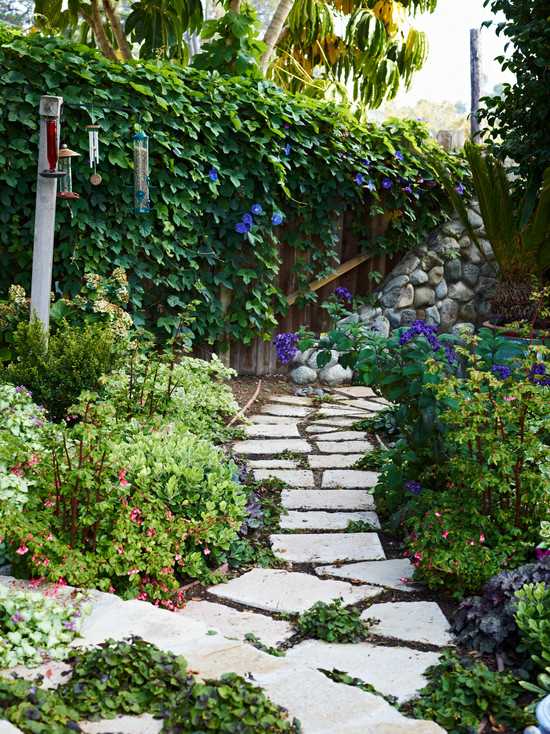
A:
x: 44, y: 219
x: 475, y: 80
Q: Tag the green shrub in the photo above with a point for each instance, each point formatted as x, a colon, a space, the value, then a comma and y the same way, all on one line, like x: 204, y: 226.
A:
x: 58, y: 369
x: 333, y: 623
x: 533, y: 620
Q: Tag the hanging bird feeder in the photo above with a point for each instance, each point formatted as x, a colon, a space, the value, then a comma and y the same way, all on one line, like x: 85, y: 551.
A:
x: 66, y: 183
x: 52, y: 151
x: 93, y: 142
x: 142, y: 202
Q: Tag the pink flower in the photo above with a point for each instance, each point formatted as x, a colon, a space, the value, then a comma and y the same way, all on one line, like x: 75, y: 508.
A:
x: 133, y: 571
x: 143, y: 596
x: 405, y: 580
x: 49, y: 503
x: 122, y: 478
x: 206, y: 551
x: 445, y: 534
x: 151, y: 532
x: 135, y: 515
x: 22, y: 550
x: 33, y: 460
x: 509, y: 398
x: 17, y: 471
x: 471, y: 542
x: 112, y: 589
x: 49, y: 536
x: 166, y: 570
x: 437, y: 514
x: 417, y: 557
x: 120, y: 550
x: 481, y: 538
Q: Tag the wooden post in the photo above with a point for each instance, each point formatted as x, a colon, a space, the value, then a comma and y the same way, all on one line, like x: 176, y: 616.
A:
x: 475, y: 81
x: 226, y: 297
x: 44, y: 219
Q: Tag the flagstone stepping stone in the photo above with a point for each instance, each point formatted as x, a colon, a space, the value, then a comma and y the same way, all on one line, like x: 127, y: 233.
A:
x: 337, y: 421
x: 291, y: 400
x: 414, y: 621
x: 272, y: 464
x: 6, y: 727
x: 356, y: 391
x: 388, y: 573
x: 234, y: 624
x: 271, y: 446
x: 292, y: 477
x: 325, y: 707
x: 318, y: 520
x: 349, y: 478
x: 346, y: 447
x: 341, y: 411
x: 342, y: 436
x: 333, y: 461
x: 282, y: 419
x: 292, y: 411
x: 275, y: 590
x: 327, y: 499
x: 144, y: 724
x: 327, y: 547
x: 320, y: 429
x: 273, y: 430
x: 370, y: 405
x: 394, y: 671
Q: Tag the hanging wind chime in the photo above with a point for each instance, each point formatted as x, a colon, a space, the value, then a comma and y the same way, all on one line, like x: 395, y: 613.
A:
x: 93, y: 145
x: 142, y: 201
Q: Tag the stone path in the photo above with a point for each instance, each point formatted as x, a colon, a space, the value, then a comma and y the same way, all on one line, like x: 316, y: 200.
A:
x: 313, y: 451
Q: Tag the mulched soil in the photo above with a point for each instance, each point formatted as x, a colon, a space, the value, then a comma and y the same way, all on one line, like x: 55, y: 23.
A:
x: 244, y: 388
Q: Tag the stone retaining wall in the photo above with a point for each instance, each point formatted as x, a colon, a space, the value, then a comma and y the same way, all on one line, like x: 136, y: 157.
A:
x: 447, y: 282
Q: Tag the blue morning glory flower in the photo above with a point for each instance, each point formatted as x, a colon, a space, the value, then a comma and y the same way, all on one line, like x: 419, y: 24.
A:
x: 386, y: 183
x: 277, y: 219
x: 256, y: 209
x: 247, y: 219
x: 359, y: 179
x: 213, y: 174
x: 371, y: 186
x: 288, y: 148
x: 242, y: 227
x: 407, y: 189
x: 460, y: 189
x: 399, y: 155
x: 365, y: 162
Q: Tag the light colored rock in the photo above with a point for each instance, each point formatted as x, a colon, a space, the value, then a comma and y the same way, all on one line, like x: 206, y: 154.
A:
x: 406, y: 266
x: 394, y: 281
x: 356, y: 391
x: 379, y: 325
x: 432, y: 316
x: 475, y: 220
x: 318, y: 520
x: 272, y: 464
x: 327, y: 547
x: 274, y: 590
x: 413, y: 621
x: 291, y: 400
x: 362, y: 404
x: 7, y: 727
x: 431, y: 259
x: 408, y: 315
x: 320, y: 429
x: 292, y: 477
x: 460, y: 292
x: 342, y: 436
x: 470, y: 274
x: 424, y: 296
x: 334, y: 375
x: 312, y: 362
x: 390, y: 573
x: 406, y: 297
x: 52, y: 674
x: 340, y: 411
x: 325, y: 707
x: 397, y: 297
x: 349, y: 478
x: 273, y: 419
x: 303, y: 375
x: 273, y: 430
x: 338, y: 421
x: 327, y: 499
x: 291, y: 411
x: 344, y: 447
x: 301, y: 357
x: 271, y: 446
x: 333, y: 461
x: 435, y: 276
x: 394, y: 671
x: 235, y: 624
x: 463, y: 327
x: 419, y: 277
x: 441, y: 290
x: 394, y: 317
x: 144, y: 724
x: 449, y: 313
x: 486, y: 248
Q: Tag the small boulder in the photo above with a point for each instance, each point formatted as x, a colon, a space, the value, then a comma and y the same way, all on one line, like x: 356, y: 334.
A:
x: 419, y: 277
x: 453, y: 270
x: 424, y: 296
x: 335, y: 375
x: 460, y: 292
x: 435, y: 276
x: 303, y: 375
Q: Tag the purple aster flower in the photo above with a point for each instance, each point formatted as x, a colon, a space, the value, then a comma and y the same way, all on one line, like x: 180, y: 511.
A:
x: 344, y: 295
x: 359, y: 179
x: 277, y: 219
x: 285, y: 346
x: 387, y: 183
x: 538, y: 376
x: 213, y: 174
x: 460, y: 189
x: 248, y: 220
x: 421, y: 328
x: 501, y: 371
x: 287, y: 148
x: 413, y: 487
x: 256, y: 209
x: 242, y: 228
x: 450, y: 354
x: 399, y: 155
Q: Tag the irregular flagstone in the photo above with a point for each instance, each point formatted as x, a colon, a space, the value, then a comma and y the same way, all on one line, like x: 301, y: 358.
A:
x: 414, y: 621
x: 341, y: 436
x: 271, y: 446
x: 292, y: 477
x: 319, y: 429
x: 327, y: 547
x: 337, y: 421
x: 356, y: 391
x: 6, y: 727
x: 327, y: 499
x: 349, y: 478
x: 318, y: 520
x: 275, y: 590
x: 234, y: 624
x: 273, y: 430
x: 333, y: 461
x: 291, y: 399
x: 370, y: 405
x: 292, y: 411
x: 144, y: 724
x: 325, y: 707
x: 390, y: 573
x: 346, y: 447
x: 394, y: 671
x: 272, y: 464
x: 341, y: 411
x: 282, y: 419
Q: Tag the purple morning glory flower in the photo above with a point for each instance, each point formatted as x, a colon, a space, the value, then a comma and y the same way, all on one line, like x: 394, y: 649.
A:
x: 371, y: 185
x: 344, y: 295
x: 285, y: 346
x: 288, y: 148
x: 460, y: 189
x: 407, y: 189
x: 242, y: 228
x: 399, y: 155
x: 501, y: 371
x: 413, y: 487
x: 277, y: 219
x: 365, y: 162
x: 256, y: 209
x: 387, y: 183
x: 247, y: 219
x: 359, y: 179
x: 213, y: 174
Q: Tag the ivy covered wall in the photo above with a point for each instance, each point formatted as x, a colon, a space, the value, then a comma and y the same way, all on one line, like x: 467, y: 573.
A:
x: 237, y: 167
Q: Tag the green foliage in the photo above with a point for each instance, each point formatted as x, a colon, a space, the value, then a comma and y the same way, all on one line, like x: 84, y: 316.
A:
x: 35, y: 710
x: 58, y: 369
x: 360, y: 526
x: 533, y: 620
x: 34, y: 626
x: 373, y: 460
x: 159, y: 27
x: 259, y: 645
x: 187, y: 247
x: 514, y: 134
x: 461, y: 693
x: 333, y: 623
x: 338, y: 676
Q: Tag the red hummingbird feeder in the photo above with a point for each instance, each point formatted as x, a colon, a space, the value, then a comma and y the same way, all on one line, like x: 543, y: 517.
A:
x: 52, y: 153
